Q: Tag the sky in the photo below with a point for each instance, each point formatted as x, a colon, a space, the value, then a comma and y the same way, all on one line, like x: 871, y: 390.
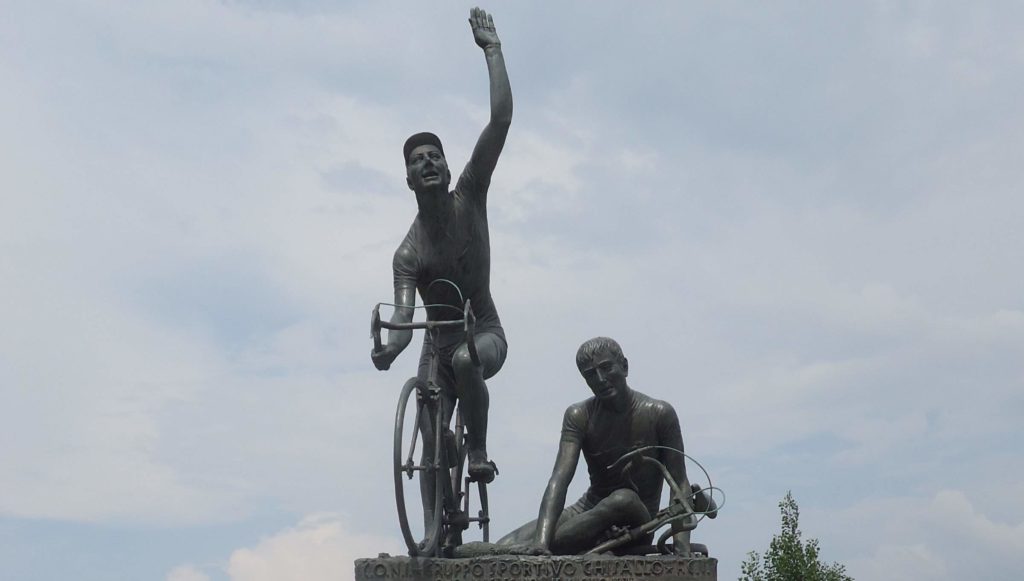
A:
x: 801, y: 221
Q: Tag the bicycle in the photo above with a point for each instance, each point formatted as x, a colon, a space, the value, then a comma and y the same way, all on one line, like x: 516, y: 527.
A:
x: 448, y: 511
x: 676, y: 510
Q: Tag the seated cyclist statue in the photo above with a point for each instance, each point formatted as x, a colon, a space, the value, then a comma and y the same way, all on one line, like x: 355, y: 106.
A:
x: 448, y: 242
x: 616, y: 420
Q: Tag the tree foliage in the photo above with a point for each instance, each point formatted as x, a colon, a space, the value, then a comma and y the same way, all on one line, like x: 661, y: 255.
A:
x: 789, y: 558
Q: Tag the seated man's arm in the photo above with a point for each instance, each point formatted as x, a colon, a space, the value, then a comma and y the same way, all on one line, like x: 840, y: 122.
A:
x: 670, y: 435
x: 553, y: 502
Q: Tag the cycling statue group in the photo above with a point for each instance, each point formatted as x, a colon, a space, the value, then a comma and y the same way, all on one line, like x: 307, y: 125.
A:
x: 631, y: 442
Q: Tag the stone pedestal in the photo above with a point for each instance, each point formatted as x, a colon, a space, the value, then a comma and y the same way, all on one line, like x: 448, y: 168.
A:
x: 522, y: 568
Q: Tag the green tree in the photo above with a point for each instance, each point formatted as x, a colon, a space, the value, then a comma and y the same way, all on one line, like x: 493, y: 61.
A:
x: 788, y: 558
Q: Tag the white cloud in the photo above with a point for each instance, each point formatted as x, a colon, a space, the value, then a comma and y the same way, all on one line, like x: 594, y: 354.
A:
x: 187, y: 573
x: 953, y: 513
x: 943, y: 537
x: 320, y: 548
x: 900, y: 563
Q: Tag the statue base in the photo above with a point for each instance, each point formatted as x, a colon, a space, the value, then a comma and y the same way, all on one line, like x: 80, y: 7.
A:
x: 528, y: 568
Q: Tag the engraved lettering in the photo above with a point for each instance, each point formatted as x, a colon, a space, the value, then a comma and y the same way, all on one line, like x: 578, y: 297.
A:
x: 519, y: 568
x: 556, y: 568
x: 642, y: 568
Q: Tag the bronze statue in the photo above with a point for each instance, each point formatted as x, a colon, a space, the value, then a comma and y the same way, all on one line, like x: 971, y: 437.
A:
x: 616, y: 422
x: 449, y: 241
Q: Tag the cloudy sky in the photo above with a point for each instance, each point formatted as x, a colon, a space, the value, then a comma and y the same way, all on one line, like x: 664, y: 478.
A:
x: 802, y: 221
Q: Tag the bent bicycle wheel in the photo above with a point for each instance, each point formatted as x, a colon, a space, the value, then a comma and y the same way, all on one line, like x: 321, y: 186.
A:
x: 410, y: 459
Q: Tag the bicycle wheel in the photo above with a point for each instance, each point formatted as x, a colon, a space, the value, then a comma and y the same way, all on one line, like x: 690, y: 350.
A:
x: 410, y: 458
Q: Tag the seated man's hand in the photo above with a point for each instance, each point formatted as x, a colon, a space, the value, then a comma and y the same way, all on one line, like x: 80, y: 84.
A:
x: 613, y: 531
x: 702, y: 501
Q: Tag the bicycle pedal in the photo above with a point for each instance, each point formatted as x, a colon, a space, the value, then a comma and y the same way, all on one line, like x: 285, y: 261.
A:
x: 487, y: 475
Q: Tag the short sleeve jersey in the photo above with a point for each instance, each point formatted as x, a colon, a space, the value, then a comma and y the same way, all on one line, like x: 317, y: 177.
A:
x: 605, y: 435
x: 459, y: 252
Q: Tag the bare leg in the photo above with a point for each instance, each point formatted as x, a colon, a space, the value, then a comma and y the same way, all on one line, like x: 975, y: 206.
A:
x: 521, y: 536
x: 475, y: 399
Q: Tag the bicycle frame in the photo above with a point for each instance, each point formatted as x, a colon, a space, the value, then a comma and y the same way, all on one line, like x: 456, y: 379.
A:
x: 446, y: 464
x: 467, y: 322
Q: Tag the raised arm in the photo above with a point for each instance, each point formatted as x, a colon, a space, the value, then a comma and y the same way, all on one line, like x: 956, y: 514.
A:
x: 492, y: 139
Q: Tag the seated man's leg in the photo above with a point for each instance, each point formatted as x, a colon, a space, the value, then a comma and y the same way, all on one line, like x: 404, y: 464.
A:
x: 575, y: 534
x: 472, y: 392
x: 527, y: 533
x: 523, y: 535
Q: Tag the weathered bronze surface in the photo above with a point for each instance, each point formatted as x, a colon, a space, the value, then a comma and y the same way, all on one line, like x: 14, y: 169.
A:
x: 631, y: 442
x: 616, y: 422
x: 449, y: 240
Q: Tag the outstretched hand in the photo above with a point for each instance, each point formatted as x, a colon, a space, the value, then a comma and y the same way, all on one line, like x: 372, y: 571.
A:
x: 483, y: 28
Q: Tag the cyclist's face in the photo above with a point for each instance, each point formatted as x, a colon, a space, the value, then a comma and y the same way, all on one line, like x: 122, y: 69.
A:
x: 605, y: 374
x: 427, y: 168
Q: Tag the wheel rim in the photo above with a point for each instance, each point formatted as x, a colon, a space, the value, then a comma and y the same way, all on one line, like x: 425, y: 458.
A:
x: 408, y: 445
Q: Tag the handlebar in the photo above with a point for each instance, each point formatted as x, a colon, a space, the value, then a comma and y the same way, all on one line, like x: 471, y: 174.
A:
x: 467, y: 322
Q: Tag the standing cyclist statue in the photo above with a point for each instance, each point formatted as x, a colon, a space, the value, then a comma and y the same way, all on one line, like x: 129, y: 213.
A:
x: 448, y: 241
